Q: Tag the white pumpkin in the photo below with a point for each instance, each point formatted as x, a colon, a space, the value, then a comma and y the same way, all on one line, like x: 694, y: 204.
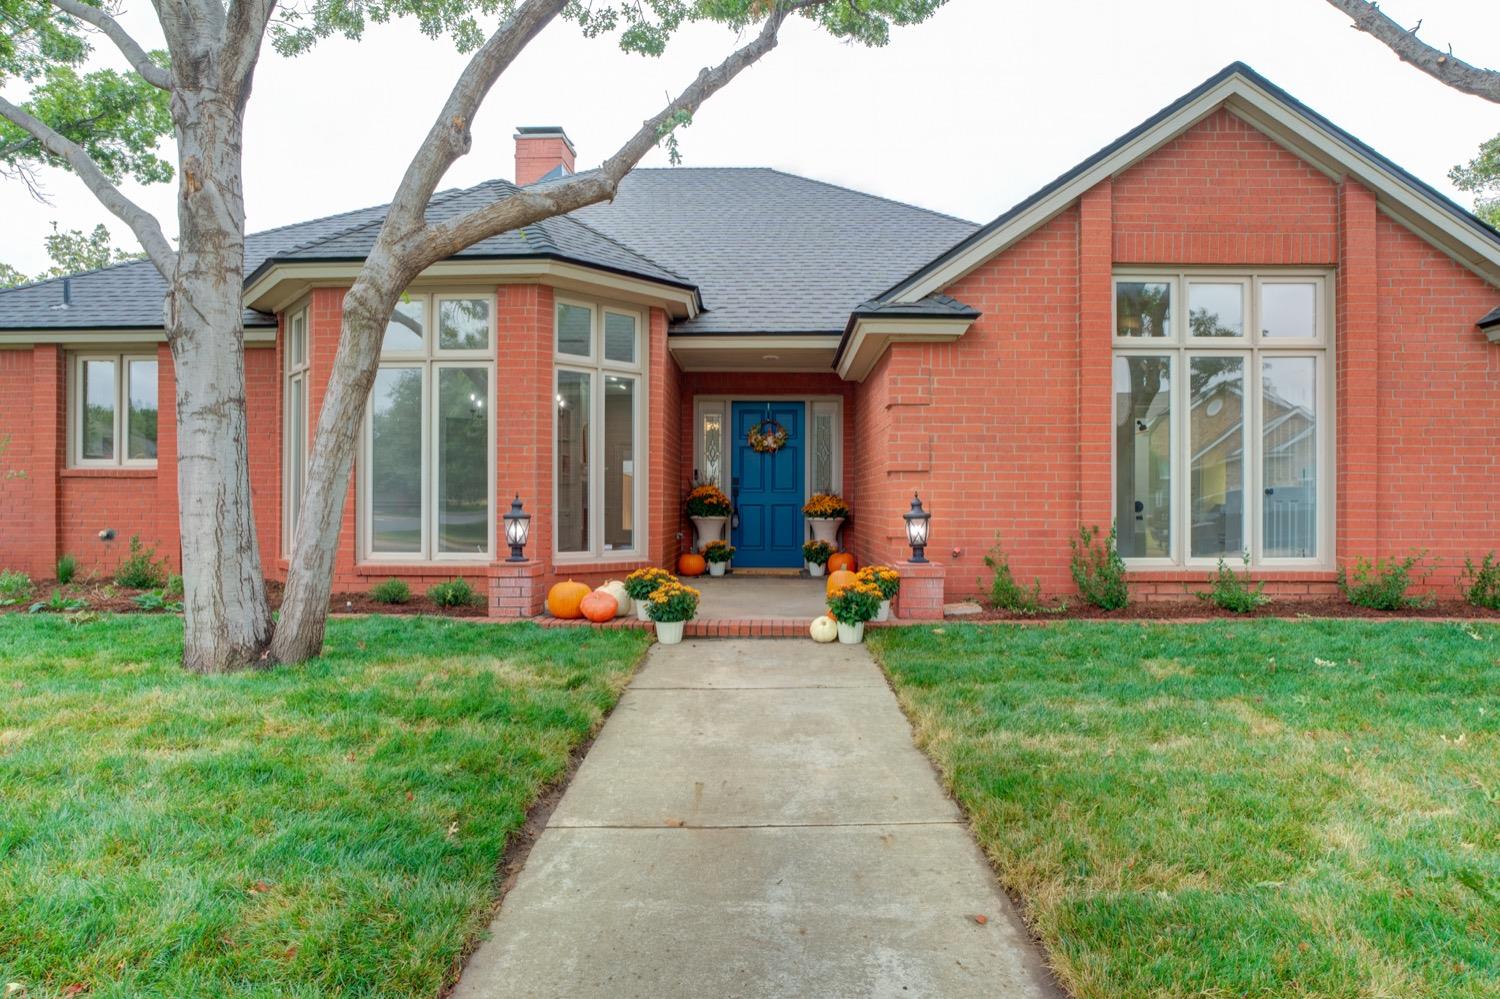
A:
x: 824, y: 629
x: 623, y: 603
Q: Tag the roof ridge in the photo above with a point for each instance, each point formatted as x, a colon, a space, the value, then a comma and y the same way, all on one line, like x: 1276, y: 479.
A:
x: 62, y: 277
x: 624, y: 246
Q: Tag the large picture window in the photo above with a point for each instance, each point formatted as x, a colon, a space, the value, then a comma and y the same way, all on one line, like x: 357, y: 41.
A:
x: 113, y: 409
x: 599, y: 426
x: 1222, y: 417
x: 428, y: 481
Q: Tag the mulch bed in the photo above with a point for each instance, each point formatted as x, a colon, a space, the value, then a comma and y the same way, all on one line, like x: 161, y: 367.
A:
x: 1178, y: 610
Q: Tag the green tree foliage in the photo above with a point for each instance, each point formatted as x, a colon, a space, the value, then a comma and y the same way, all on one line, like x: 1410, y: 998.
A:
x: 1481, y: 178
x: 72, y: 251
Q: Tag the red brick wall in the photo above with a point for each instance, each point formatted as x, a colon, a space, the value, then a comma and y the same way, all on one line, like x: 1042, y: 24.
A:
x: 23, y: 507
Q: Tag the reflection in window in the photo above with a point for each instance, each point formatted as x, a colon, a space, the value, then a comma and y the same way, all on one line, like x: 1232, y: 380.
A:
x: 396, y: 406
x: 404, y: 333
x: 1143, y: 308
x: 1216, y: 310
x: 573, y: 412
x: 1289, y: 309
x: 619, y: 462
x: 463, y: 479
x: 463, y: 323
x: 619, y: 337
x: 140, y: 413
x: 98, y: 410
x: 1217, y: 446
x: 1143, y: 455
x: 575, y: 330
x: 1289, y: 444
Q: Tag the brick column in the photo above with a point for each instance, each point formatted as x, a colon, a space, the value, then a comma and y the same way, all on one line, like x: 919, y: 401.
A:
x: 48, y: 454
x: 1095, y: 392
x: 922, y: 587
x: 516, y: 589
x: 1357, y: 373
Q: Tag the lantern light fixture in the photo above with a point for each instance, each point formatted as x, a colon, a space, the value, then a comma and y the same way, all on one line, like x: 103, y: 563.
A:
x: 517, y: 530
x: 916, y: 529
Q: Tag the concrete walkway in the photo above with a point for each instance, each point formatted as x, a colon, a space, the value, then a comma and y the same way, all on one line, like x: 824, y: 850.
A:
x: 754, y: 821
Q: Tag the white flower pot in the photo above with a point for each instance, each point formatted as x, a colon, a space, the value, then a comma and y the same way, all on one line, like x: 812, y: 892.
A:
x: 717, y: 568
x: 643, y: 610
x: 826, y: 529
x: 814, y: 570
x: 884, y: 614
x: 669, y: 632
x: 708, y: 529
x: 851, y: 634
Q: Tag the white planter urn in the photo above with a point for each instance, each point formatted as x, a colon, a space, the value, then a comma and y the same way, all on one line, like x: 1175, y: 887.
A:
x: 669, y: 632
x: 826, y: 529
x: 643, y: 610
x: 814, y: 569
x: 884, y: 614
x: 851, y: 634
x: 708, y: 529
x: 717, y: 568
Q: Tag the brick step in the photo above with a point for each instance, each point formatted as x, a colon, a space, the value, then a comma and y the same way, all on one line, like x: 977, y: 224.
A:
x: 765, y: 627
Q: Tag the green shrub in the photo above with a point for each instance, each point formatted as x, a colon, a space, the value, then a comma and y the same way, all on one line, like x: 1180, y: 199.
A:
x: 1005, y: 592
x: 454, y: 593
x: 156, y: 600
x: 1382, y: 584
x: 1232, y: 593
x: 15, y: 586
x: 1098, y: 570
x: 141, y: 570
x: 59, y: 604
x: 392, y: 591
x: 67, y: 568
x: 174, y: 585
x: 1482, y: 582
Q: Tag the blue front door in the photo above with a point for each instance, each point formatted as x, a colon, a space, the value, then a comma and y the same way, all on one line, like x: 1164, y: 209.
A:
x: 767, y: 488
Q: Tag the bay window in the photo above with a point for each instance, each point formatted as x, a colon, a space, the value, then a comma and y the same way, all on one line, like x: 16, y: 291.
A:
x: 428, y: 481
x: 598, y: 431
x: 1222, y: 417
x: 113, y: 410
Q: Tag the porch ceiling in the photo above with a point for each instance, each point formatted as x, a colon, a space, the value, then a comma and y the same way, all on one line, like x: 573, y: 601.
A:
x: 755, y: 352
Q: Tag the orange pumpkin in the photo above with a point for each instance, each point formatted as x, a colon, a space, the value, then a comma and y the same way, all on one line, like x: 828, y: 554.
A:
x: 840, y: 579
x: 599, y: 607
x: 842, y: 560
x: 565, y: 599
x: 691, y: 564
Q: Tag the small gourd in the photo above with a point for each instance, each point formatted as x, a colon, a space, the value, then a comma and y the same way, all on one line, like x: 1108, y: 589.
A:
x: 599, y: 607
x: 840, y: 560
x: 691, y: 564
x: 564, y: 600
x: 823, y: 629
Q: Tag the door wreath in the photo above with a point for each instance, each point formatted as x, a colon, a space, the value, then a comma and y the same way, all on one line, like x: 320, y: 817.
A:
x: 767, y: 437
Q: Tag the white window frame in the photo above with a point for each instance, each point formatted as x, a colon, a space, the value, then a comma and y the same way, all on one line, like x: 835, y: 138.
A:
x: 1253, y: 347
x: 598, y: 367
x: 295, y: 371
x: 121, y: 359
x: 429, y: 360
x: 723, y: 405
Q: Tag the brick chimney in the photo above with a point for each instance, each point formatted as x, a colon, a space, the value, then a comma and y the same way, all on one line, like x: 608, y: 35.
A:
x: 539, y: 151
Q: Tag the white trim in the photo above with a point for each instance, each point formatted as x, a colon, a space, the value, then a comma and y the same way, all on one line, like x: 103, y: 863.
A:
x: 121, y: 430
x: 1245, y: 99
x: 1182, y: 348
x: 598, y: 368
x: 284, y: 283
x: 870, y: 338
x: 255, y: 335
x: 808, y: 352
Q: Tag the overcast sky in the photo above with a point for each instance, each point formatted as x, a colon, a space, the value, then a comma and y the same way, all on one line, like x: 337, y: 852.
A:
x: 966, y: 114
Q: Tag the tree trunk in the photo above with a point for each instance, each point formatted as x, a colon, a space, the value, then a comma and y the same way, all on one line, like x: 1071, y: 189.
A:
x: 304, y: 606
x: 226, y: 621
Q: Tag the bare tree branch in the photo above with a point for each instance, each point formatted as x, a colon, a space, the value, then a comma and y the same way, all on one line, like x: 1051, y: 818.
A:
x: 559, y: 197
x: 141, y: 222
x: 139, y: 60
x: 1442, y: 66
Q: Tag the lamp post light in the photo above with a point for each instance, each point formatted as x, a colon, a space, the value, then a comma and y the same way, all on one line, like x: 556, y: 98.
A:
x: 916, y: 528
x: 517, y: 530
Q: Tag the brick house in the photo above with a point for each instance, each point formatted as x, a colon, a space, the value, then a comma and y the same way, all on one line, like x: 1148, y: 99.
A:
x: 1237, y: 329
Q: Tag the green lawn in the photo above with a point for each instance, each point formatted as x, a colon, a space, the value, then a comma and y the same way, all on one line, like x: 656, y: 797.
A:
x: 1270, y: 808
x: 331, y: 829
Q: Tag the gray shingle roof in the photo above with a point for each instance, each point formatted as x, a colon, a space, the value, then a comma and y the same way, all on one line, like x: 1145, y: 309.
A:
x: 769, y: 252
x: 1491, y: 318
x: 933, y: 306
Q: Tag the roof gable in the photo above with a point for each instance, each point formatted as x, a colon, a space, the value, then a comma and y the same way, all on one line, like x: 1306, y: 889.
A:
x: 1272, y: 111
